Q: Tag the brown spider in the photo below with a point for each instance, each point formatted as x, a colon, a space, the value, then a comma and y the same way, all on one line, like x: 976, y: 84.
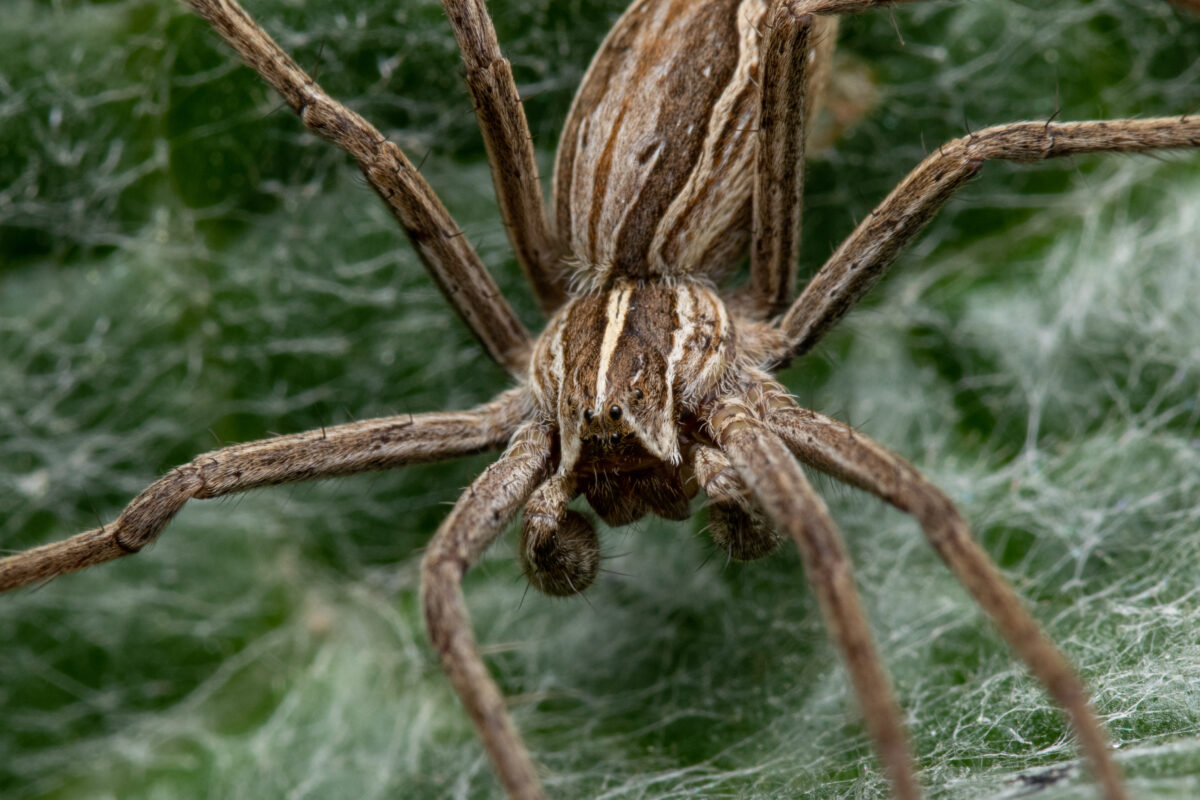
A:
x: 685, y: 145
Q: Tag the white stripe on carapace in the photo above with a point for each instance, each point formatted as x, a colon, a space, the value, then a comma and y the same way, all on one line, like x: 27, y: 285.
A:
x: 618, y: 309
x: 709, y: 371
x: 685, y: 324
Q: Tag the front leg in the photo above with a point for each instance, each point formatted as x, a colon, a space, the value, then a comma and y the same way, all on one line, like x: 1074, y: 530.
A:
x: 779, y: 486
x: 477, y: 519
x: 850, y: 456
x: 366, y: 446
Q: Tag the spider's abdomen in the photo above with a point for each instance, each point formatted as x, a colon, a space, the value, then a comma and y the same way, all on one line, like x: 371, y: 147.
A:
x: 617, y: 369
x: 655, y: 167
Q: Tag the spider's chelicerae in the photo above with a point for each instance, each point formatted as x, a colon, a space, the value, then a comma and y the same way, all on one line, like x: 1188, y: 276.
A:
x: 649, y: 384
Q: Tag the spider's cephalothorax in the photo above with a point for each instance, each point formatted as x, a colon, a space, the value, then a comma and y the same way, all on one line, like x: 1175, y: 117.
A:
x: 684, y: 144
x: 622, y: 372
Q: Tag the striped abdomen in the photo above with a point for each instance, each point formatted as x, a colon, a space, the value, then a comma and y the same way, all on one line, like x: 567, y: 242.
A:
x: 655, y: 167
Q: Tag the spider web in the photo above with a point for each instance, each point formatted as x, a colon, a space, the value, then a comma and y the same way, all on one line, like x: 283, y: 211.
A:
x: 181, y: 265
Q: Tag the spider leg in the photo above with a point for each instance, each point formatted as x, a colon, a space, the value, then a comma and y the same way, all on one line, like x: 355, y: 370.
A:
x: 478, y: 518
x: 848, y: 455
x: 449, y: 257
x: 779, y: 485
x: 510, y: 149
x: 365, y: 446
x: 869, y: 251
x: 797, y: 52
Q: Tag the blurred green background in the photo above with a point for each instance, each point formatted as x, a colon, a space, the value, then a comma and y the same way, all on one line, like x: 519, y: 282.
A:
x: 181, y: 265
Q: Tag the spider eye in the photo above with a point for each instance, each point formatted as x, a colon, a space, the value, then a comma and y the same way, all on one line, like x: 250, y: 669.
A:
x: 615, y: 412
x: 616, y: 437
x: 637, y: 394
x: 587, y: 415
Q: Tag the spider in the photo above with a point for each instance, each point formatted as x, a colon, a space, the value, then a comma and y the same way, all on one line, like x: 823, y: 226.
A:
x: 647, y: 384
